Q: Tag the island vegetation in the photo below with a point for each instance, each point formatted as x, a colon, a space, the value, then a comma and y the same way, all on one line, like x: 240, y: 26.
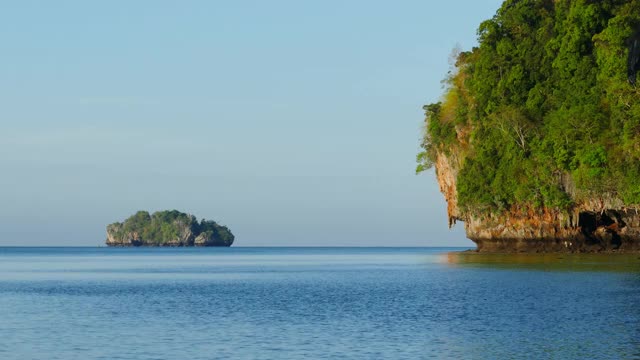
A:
x: 537, y: 134
x: 167, y: 228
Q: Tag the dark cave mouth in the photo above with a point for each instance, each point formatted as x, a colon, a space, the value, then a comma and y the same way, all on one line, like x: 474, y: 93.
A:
x: 602, y: 227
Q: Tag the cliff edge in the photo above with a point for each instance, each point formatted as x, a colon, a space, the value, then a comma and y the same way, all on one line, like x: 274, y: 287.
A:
x: 167, y: 228
x: 536, y: 140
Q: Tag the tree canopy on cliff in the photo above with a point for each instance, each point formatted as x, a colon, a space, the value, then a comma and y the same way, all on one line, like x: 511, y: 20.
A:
x: 545, y: 111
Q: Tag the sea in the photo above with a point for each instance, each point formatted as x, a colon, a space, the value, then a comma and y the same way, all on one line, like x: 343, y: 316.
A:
x: 315, y: 303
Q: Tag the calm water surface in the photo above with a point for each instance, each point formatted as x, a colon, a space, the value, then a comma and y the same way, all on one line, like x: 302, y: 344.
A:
x: 316, y: 303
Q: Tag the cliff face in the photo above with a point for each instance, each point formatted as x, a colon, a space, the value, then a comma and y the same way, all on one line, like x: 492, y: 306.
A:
x: 597, y: 225
x: 117, y: 237
x: 167, y: 228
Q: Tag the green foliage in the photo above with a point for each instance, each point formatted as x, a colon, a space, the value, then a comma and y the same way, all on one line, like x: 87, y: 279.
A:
x: 443, y: 133
x: 545, y: 96
x: 424, y: 162
x: 222, y: 234
x: 439, y: 134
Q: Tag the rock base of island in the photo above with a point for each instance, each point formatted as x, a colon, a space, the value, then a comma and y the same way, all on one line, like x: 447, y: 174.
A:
x: 583, y: 232
x: 599, y: 224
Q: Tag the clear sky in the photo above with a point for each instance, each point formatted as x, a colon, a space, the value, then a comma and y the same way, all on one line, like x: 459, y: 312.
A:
x: 292, y: 122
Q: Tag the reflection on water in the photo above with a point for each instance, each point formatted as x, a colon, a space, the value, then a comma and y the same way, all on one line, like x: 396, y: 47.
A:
x: 547, y: 262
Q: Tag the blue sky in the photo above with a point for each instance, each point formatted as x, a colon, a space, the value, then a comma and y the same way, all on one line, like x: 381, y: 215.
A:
x: 292, y: 122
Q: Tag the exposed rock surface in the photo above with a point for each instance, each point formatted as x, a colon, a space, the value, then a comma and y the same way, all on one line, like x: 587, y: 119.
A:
x: 601, y: 224
x: 167, y: 228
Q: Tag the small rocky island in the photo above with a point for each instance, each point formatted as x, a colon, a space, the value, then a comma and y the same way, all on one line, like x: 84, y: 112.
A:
x: 536, y: 139
x: 167, y: 228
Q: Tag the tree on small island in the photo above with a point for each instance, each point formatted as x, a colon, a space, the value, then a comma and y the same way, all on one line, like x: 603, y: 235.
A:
x: 167, y: 228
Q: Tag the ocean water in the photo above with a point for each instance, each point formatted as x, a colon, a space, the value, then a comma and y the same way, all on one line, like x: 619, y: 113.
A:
x: 315, y: 303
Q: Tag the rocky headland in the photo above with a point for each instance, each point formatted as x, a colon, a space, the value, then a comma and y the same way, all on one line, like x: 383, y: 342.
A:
x: 167, y: 228
x: 536, y: 140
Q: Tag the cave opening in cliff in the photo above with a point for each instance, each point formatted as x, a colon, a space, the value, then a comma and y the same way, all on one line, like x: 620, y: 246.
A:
x: 588, y: 222
x: 599, y: 227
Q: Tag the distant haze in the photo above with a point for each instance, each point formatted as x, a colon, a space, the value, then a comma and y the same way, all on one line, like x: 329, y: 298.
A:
x: 295, y: 123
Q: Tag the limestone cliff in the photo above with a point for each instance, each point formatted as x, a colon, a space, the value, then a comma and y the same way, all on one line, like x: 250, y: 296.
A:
x: 167, y: 228
x: 599, y: 224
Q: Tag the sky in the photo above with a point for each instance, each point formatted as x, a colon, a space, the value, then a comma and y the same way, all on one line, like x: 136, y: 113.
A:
x: 294, y: 123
